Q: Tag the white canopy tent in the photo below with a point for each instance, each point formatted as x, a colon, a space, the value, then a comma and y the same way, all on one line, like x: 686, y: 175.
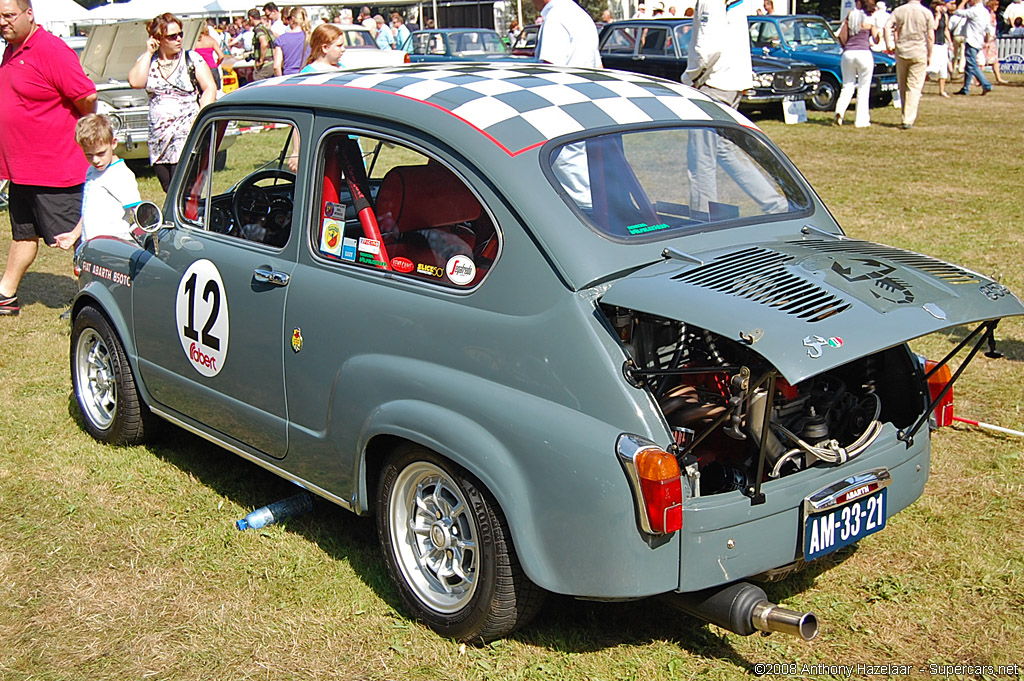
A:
x: 147, y: 9
x: 58, y: 16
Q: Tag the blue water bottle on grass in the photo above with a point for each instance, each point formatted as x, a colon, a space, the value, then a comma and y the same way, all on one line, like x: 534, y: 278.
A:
x: 276, y: 512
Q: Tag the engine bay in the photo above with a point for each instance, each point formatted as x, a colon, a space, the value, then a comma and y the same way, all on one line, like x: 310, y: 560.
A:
x: 725, y: 404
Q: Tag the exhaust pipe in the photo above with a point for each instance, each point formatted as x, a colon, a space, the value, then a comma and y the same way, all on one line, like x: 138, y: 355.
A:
x: 743, y: 608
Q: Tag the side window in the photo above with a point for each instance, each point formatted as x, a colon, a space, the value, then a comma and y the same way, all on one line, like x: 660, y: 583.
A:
x: 421, y: 43
x: 769, y: 35
x: 654, y: 41
x: 620, y: 40
x: 388, y: 207
x: 239, y: 183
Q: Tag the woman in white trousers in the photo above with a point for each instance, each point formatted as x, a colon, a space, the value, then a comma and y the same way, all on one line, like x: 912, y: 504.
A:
x: 858, y: 63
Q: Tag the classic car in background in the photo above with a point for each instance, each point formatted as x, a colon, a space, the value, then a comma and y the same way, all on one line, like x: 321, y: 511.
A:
x: 525, y: 44
x: 809, y: 38
x: 361, y: 50
x: 560, y: 330
x: 658, y: 47
x: 459, y: 44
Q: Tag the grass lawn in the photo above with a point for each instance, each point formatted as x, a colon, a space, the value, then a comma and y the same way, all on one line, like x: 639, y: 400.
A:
x: 124, y: 563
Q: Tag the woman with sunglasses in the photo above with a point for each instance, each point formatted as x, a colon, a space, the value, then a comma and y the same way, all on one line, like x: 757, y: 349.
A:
x: 179, y: 83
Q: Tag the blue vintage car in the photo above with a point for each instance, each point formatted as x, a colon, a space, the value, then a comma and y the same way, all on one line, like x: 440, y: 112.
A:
x: 809, y: 37
x: 459, y: 44
x: 559, y: 330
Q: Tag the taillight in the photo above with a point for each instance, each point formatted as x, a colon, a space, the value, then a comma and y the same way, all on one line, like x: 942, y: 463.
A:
x: 936, y: 382
x: 657, y: 484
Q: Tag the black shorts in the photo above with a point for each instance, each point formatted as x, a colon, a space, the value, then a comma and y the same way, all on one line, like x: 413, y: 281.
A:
x: 43, y: 212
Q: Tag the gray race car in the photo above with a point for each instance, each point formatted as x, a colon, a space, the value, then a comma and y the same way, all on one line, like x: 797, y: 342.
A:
x: 559, y: 330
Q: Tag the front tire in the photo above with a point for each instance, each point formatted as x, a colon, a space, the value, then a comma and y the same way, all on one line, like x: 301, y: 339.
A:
x: 448, y: 549
x: 825, y: 97
x: 104, y: 386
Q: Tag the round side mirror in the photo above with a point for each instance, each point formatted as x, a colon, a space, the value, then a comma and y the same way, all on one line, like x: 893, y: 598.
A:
x: 148, y: 216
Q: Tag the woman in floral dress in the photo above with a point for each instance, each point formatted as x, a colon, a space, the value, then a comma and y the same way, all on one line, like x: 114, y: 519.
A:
x: 179, y: 83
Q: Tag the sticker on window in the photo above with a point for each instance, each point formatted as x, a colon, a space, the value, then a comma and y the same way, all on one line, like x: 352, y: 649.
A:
x: 460, y: 269
x: 429, y: 270
x: 330, y: 237
x: 400, y: 264
x: 334, y: 210
x: 644, y: 228
x: 348, y: 249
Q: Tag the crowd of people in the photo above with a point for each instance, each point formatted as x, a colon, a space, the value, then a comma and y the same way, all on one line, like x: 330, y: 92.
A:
x: 48, y: 181
x: 950, y: 39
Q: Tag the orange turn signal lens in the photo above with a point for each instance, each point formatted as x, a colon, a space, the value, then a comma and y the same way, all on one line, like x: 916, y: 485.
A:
x: 936, y: 382
x: 662, y: 489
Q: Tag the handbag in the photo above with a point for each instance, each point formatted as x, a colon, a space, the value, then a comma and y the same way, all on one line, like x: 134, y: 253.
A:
x: 844, y: 34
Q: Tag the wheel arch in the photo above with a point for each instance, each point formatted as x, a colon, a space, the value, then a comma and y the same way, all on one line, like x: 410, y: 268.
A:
x: 99, y: 297
x: 452, y: 436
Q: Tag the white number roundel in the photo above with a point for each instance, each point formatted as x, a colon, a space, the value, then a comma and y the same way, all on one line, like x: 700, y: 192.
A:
x: 201, y: 313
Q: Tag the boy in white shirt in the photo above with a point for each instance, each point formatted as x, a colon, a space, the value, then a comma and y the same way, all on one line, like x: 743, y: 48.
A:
x: 110, y: 193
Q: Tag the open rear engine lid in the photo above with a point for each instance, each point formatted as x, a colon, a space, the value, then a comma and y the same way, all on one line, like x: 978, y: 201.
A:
x: 812, y: 304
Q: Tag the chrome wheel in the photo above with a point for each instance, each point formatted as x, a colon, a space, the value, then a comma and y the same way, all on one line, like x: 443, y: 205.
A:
x: 103, y: 383
x: 825, y: 96
x: 96, y: 381
x: 434, y: 537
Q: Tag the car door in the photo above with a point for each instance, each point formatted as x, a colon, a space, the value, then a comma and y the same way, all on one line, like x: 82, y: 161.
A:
x: 658, y: 51
x: 618, y: 48
x: 209, y: 292
x: 381, y: 294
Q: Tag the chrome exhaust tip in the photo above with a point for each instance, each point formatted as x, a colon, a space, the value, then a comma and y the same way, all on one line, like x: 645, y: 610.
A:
x: 743, y: 608
x: 769, y: 617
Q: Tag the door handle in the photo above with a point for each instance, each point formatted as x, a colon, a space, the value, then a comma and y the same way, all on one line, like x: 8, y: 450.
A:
x: 269, y: 276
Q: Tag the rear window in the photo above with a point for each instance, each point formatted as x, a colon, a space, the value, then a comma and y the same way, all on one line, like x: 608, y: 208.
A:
x: 652, y: 183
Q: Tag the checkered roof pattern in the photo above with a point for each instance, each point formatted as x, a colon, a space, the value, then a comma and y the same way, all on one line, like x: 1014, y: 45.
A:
x: 521, y: 106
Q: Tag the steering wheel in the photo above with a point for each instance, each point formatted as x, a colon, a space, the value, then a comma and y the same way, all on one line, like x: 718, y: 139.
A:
x: 252, y: 204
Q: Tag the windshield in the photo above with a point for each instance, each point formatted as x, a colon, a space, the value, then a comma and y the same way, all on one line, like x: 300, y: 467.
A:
x: 808, y: 32
x: 653, y: 183
x: 476, y: 42
x: 358, y: 39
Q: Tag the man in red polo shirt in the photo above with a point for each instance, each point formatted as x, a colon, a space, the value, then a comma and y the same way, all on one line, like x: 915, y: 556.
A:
x: 43, y: 91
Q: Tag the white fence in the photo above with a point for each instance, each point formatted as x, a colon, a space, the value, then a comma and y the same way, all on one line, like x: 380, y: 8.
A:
x: 1011, y: 55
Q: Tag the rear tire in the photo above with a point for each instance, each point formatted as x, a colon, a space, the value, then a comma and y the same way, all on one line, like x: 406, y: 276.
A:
x: 448, y: 549
x: 104, y: 386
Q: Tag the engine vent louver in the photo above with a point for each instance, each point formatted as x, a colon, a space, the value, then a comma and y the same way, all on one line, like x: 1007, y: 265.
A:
x: 761, y: 276
x: 933, y: 266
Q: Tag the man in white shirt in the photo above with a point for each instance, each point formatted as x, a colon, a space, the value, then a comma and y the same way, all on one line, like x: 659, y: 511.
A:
x: 718, y: 61
x: 879, y: 19
x: 1013, y: 10
x: 979, y: 28
x: 273, y: 15
x: 718, y: 65
x: 568, y: 36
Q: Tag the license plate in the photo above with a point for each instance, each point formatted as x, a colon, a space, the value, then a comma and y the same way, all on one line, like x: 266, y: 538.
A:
x: 842, y: 526
x: 889, y: 87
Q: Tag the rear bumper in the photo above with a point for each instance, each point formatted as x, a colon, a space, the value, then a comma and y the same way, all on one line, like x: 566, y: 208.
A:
x: 724, y: 538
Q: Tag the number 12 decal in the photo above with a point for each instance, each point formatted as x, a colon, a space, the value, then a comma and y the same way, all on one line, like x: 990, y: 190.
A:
x: 202, y: 300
